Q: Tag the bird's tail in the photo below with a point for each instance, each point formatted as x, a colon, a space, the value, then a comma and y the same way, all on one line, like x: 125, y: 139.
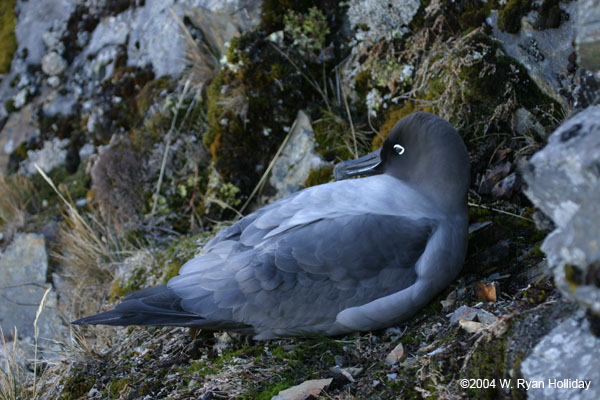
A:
x: 156, y: 306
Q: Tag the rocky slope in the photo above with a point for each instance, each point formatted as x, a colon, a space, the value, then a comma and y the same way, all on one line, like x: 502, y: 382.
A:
x: 133, y: 130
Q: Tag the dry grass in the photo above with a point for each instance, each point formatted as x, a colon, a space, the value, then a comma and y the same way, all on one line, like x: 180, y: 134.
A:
x: 235, y: 101
x: 88, y: 250
x: 17, y: 193
x: 203, y: 56
x: 14, y: 379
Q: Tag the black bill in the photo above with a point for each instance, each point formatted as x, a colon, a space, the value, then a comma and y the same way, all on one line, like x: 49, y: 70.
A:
x: 366, y: 165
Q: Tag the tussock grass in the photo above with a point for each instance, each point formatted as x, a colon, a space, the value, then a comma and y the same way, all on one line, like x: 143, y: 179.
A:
x: 203, y: 56
x: 88, y: 251
x: 14, y: 380
x: 17, y: 194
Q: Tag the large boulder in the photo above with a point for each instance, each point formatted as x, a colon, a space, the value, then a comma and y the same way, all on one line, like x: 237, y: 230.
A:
x: 294, y: 163
x: 566, y: 362
x: 23, y: 270
x: 588, y: 34
x: 564, y: 182
x: 545, y: 53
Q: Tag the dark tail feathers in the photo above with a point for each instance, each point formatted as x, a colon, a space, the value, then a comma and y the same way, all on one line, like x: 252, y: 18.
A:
x: 156, y: 306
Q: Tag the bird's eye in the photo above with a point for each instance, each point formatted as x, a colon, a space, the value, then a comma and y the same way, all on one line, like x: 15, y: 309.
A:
x: 398, y: 149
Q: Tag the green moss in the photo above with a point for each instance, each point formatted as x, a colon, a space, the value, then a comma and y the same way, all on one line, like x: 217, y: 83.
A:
x: 393, y: 116
x: 488, y: 362
x: 9, y: 106
x: 481, y: 95
x: 535, y: 295
x: 573, y: 276
x: 509, y: 18
x: 202, y: 369
x: 273, y: 390
x: 76, y: 385
x: 475, y: 13
x: 149, y: 94
x: 273, y: 12
x: 318, y: 176
x: 333, y: 137
x: 178, y: 253
x: 550, y: 14
x: 117, y: 387
x: 308, y: 30
x: 135, y: 282
x: 363, y: 83
x: 8, y: 41
x: 536, y: 252
x: 76, y: 184
x: 247, y: 110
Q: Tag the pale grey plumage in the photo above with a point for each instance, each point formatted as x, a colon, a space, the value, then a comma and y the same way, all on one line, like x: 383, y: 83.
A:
x: 358, y: 254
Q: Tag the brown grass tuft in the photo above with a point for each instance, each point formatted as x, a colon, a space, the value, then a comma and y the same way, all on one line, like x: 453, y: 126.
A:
x: 17, y: 194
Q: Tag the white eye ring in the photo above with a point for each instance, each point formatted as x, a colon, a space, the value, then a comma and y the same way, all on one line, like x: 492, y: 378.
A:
x: 399, y: 149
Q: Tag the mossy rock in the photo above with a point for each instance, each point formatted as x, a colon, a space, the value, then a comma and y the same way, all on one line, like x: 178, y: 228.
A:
x: 391, y: 117
x: 509, y: 18
x: 117, y: 387
x: 8, y: 40
x: 488, y: 362
x: 333, y: 137
x: 319, y: 176
x: 137, y: 281
x: 475, y: 13
x: 273, y: 12
x: 76, y: 385
x: 248, y: 110
x: 178, y: 253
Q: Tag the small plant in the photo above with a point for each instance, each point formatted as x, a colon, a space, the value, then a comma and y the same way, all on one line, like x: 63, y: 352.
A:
x: 308, y: 31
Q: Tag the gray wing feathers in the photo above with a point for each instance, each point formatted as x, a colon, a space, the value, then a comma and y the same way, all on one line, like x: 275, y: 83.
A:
x: 276, y: 282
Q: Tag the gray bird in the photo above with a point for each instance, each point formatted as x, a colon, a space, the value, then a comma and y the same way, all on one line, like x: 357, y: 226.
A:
x: 351, y: 255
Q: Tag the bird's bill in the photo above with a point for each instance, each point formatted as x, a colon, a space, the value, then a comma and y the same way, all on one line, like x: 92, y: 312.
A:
x: 366, y: 165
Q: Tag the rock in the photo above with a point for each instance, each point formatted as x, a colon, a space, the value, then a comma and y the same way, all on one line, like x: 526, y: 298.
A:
x: 507, y: 187
x: 53, y: 81
x: 306, y: 390
x: 567, y: 362
x: 544, y: 53
x: 396, y: 355
x: 34, y: 19
x: 564, y: 182
x: 152, y: 35
x: 52, y: 40
x: 493, y: 176
x: 249, y: 9
x: 111, y: 31
x: 156, y: 38
x: 19, y: 128
x: 50, y: 156
x: 23, y: 269
x: 349, y: 373
x: 464, y: 313
x: 57, y: 103
x: 588, y: 34
x: 374, y: 20
x: 297, y: 158
x: 53, y: 64
x: 21, y: 98
x: 525, y: 123
x: 470, y: 326
x: 86, y: 151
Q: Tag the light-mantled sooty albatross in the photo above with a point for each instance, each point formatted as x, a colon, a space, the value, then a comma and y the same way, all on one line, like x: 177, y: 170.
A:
x: 351, y: 255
